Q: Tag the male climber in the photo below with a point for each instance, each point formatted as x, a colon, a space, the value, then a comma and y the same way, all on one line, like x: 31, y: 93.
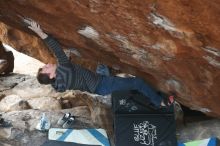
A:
x: 67, y: 76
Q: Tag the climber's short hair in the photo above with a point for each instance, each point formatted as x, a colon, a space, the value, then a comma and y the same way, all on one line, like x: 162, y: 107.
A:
x: 44, y: 78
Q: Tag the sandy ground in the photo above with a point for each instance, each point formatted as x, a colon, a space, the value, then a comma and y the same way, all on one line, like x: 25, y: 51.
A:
x: 24, y: 64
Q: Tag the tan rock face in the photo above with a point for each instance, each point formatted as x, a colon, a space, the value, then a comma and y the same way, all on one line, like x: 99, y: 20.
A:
x: 20, y: 92
x: 25, y: 43
x: 13, y: 103
x: 44, y: 103
x: 173, y: 44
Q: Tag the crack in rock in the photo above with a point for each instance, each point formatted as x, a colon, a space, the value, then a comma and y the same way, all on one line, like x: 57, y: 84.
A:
x: 212, y: 50
x: 212, y: 61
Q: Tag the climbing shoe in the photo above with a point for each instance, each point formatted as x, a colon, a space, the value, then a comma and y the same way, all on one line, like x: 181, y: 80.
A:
x: 69, y: 122
x: 62, y: 120
x: 167, y: 101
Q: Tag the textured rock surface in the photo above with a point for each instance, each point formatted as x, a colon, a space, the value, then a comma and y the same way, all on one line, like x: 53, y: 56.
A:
x: 199, y: 130
x: 172, y: 44
x: 25, y: 43
x: 44, y: 103
x: 24, y: 123
x: 23, y: 107
x: 11, y: 103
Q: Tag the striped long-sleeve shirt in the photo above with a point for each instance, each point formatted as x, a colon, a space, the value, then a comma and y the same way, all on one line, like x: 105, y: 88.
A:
x: 71, y: 76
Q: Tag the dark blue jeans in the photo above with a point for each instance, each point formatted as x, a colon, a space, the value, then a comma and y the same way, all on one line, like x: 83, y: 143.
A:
x: 108, y: 84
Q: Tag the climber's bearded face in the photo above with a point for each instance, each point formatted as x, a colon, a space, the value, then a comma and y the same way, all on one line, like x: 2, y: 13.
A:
x: 49, y: 69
